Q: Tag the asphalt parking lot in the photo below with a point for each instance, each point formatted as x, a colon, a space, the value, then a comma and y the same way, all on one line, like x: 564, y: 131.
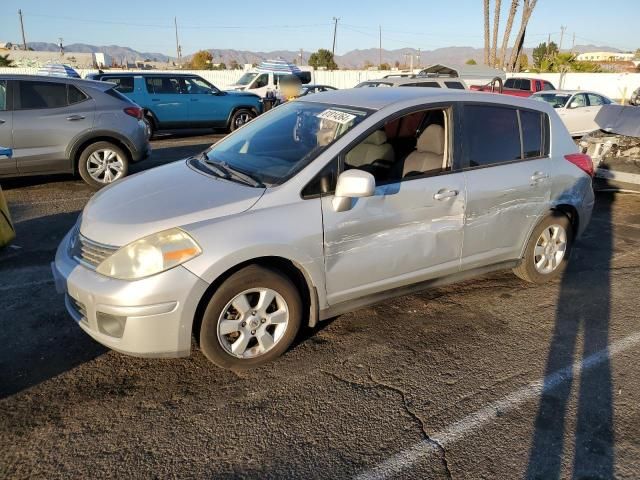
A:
x: 490, y: 378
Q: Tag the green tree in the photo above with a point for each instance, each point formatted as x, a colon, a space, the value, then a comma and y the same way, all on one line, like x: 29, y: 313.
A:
x: 471, y: 61
x: 201, y: 60
x: 5, y: 61
x: 367, y: 65
x: 234, y: 65
x: 523, y: 61
x: 322, y: 59
x: 541, y: 51
x: 637, y: 55
x: 384, y: 66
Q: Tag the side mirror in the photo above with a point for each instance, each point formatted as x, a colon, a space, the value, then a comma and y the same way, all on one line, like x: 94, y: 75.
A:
x: 352, y: 184
x: 6, y: 151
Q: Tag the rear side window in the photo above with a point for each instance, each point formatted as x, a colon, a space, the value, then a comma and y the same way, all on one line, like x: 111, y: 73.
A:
x: 112, y: 92
x: 42, y: 95
x: 162, y: 85
x: 532, y: 133
x: 75, y: 95
x: 123, y: 84
x: 491, y: 134
x: 455, y: 85
x: 511, y: 83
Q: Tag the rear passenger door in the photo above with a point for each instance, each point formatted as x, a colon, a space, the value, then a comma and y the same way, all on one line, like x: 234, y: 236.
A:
x: 508, y: 181
x: 169, y: 106
x: 46, y: 117
x: 7, y: 164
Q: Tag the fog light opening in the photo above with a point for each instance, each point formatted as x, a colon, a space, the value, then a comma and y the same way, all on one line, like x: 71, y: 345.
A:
x: 111, y: 325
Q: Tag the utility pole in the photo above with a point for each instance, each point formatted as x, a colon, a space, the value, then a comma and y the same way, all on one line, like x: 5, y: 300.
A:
x: 562, y: 29
x: 419, y: 58
x: 24, y: 41
x: 301, y: 57
x: 573, y: 42
x: 178, y: 52
x: 335, y: 30
x: 380, y: 48
x: 60, y: 46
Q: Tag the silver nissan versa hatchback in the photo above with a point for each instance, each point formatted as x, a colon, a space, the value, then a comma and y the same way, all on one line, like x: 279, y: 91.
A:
x: 319, y: 207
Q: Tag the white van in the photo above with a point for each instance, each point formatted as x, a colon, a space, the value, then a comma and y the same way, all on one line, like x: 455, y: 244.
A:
x: 266, y: 77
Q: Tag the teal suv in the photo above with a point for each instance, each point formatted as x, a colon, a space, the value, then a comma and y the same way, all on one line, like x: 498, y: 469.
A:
x: 171, y: 100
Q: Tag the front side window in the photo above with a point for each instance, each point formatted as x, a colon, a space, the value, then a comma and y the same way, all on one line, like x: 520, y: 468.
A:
x: 491, y: 135
x: 413, y: 145
x: 42, y: 95
x: 578, y: 101
x: 547, y: 86
x: 3, y: 95
x: 123, y: 84
x: 556, y: 100
x: 274, y: 147
x: 198, y: 86
x: 162, y: 85
x: 261, y: 81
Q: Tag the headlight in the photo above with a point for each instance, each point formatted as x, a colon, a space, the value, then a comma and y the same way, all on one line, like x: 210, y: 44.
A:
x: 150, y: 255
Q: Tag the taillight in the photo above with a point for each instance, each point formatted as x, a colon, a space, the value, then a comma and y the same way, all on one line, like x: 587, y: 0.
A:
x: 135, y: 112
x: 582, y: 161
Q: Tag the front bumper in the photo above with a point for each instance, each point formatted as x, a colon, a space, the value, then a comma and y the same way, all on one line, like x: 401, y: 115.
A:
x: 151, y: 317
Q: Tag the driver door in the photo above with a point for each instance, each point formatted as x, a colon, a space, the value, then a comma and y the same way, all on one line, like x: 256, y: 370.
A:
x: 205, y: 106
x: 410, y: 230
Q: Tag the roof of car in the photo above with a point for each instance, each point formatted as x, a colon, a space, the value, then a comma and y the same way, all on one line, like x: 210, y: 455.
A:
x: 378, y: 98
x: 562, y: 92
x: 51, y: 78
x: 412, y: 79
x: 149, y: 72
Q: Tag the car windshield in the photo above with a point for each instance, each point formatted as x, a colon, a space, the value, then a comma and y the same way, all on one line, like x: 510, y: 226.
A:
x: 246, y: 78
x: 557, y: 100
x: 275, y: 146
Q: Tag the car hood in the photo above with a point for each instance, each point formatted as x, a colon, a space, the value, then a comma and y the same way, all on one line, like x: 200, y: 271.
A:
x: 170, y: 196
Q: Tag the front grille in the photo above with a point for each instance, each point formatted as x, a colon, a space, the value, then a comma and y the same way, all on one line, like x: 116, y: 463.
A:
x: 91, y: 253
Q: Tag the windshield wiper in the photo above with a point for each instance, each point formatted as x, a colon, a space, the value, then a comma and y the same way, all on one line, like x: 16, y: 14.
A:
x: 226, y: 171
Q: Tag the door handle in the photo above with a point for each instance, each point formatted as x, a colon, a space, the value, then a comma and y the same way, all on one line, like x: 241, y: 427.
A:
x: 444, y: 194
x: 1, y: 121
x: 72, y: 118
x: 194, y: 99
x: 155, y: 99
x: 538, y: 176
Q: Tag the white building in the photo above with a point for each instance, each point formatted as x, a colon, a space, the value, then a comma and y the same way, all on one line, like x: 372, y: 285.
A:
x: 605, y: 57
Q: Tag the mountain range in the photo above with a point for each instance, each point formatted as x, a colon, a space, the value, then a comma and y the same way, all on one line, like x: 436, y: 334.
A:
x: 352, y: 59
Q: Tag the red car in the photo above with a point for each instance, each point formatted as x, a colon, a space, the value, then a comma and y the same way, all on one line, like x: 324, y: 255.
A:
x: 519, y: 87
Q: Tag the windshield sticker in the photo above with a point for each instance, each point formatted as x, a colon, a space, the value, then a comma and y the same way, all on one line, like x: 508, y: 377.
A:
x: 336, y: 116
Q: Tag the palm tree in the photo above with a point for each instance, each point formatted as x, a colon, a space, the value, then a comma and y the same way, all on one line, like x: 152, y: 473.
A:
x: 5, y: 61
x: 486, y: 32
x: 496, y: 26
x: 507, y: 31
x: 527, y: 9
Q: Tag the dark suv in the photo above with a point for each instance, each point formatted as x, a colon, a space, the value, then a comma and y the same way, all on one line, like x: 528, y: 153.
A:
x: 58, y: 125
x: 175, y: 100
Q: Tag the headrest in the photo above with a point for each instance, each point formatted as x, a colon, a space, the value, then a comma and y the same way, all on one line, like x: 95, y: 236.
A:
x: 431, y: 140
x: 376, y: 138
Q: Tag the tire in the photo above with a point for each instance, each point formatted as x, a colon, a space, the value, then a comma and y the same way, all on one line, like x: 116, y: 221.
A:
x: 239, y: 118
x: 150, y: 125
x: 97, y: 155
x: 260, y: 326
x: 543, y: 258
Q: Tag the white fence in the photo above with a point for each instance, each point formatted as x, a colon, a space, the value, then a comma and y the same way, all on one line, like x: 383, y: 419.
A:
x: 614, y: 85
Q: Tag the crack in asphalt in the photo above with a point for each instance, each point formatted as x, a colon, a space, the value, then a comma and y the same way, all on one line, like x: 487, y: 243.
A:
x: 405, y: 403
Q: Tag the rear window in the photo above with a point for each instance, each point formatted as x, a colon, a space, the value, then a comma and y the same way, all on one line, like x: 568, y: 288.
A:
x: 123, y: 84
x: 456, y: 85
x: 36, y: 94
x: 491, y: 135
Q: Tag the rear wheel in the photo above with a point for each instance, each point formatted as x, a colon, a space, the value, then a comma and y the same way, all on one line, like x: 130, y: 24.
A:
x: 547, y: 252
x: 149, y: 124
x: 251, y: 319
x: 240, y: 117
x: 102, y: 163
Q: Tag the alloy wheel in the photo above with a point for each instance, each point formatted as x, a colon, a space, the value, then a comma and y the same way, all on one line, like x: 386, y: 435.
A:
x: 105, y: 165
x: 550, y: 249
x: 253, y: 322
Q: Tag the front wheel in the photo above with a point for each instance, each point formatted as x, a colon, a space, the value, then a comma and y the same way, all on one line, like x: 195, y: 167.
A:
x: 102, y: 163
x: 251, y: 319
x: 240, y: 117
x: 547, y: 252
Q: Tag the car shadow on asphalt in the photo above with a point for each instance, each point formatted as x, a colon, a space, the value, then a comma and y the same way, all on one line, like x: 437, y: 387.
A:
x: 583, y: 313
x: 38, y: 337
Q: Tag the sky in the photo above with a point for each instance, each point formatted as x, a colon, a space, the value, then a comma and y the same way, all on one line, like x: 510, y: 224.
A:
x: 290, y: 25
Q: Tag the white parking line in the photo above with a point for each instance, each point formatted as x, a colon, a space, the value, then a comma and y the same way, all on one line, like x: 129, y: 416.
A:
x: 462, y: 428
